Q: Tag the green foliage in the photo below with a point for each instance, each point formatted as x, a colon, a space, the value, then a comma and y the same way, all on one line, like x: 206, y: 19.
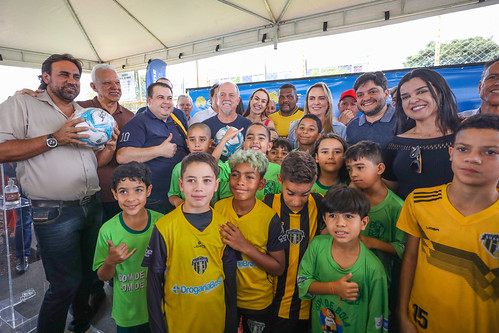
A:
x: 458, y: 51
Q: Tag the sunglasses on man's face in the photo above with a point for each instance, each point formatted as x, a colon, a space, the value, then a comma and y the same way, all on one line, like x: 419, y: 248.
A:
x: 416, y: 164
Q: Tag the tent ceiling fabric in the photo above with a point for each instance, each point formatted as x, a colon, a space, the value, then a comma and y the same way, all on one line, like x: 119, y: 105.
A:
x: 130, y: 32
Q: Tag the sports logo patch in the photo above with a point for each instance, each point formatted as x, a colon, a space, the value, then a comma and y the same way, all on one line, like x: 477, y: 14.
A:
x: 295, y: 236
x: 256, y: 326
x: 491, y: 243
x: 200, y: 264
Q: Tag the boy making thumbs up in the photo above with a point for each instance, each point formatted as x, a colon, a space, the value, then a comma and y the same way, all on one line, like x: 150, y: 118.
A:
x: 122, y: 243
x: 346, y: 281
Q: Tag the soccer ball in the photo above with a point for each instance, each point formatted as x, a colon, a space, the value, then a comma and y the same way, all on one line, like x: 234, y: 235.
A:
x: 100, y: 124
x: 232, y: 145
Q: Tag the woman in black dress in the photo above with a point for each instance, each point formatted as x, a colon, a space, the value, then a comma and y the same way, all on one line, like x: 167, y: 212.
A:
x: 426, y: 117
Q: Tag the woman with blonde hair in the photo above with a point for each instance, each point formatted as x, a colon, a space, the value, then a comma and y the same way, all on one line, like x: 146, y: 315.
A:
x: 319, y: 102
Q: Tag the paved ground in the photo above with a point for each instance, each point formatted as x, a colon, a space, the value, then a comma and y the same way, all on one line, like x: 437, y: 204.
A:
x: 35, y: 278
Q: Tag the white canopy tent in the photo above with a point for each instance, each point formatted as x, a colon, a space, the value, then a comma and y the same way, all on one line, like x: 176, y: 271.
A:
x: 127, y: 33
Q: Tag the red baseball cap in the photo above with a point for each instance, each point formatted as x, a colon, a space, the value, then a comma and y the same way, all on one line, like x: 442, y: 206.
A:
x: 349, y: 92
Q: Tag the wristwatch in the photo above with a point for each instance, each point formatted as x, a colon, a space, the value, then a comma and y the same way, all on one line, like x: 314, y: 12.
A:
x: 51, y: 141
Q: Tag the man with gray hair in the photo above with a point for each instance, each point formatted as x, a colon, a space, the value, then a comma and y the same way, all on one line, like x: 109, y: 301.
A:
x: 488, y: 88
x: 184, y: 103
x: 227, y: 100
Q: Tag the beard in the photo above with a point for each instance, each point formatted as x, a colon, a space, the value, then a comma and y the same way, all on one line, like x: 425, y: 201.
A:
x: 379, y: 107
x: 64, y: 93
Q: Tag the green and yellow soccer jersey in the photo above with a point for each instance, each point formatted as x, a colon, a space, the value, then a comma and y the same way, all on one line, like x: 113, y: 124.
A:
x: 223, y: 183
x: 456, y: 282
x: 368, y: 313
x: 382, y: 225
x: 300, y: 228
x: 262, y: 228
x: 129, y: 290
x: 194, y: 297
x: 271, y: 182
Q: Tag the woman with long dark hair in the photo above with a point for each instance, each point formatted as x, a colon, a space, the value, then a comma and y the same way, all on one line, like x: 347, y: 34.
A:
x: 426, y: 117
x: 257, y: 108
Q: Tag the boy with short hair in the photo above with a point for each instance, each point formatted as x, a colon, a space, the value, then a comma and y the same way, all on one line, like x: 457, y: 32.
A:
x: 301, y: 217
x: 198, y: 140
x: 364, y: 161
x: 122, y: 243
x: 191, y: 279
x: 256, y: 231
x: 449, y: 271
x: 257, y: 139
x: 280, y: 148
x: 308, y: 131
x: 346, y: 281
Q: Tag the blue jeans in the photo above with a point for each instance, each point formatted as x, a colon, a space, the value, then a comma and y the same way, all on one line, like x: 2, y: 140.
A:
x: 23, y: 232
x: 67, y: 238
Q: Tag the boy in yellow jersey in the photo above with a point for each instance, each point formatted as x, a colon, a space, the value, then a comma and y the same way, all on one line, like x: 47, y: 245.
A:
x: 256, y: 232
x: 364, y: 161
x: 121, y: 246
x: 191, y: 280
x: 300, y: 214
x: 198, y: 140
x: 449, y: 279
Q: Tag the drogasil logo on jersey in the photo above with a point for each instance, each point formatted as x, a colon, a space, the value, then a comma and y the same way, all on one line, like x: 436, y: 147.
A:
x: 196, y: 290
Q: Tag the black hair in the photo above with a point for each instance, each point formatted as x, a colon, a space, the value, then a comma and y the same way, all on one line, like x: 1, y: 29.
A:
x: 135, y: 171
x: 487, y: 65
x: 378, y: 78
x: 282, y: 143
x: 479, y: 121
x: 213, y: 88
x: 259, y: 124
x: 288, y: 86
x: 364, y: 149
x: 344, y: 199
x: 299, y: 167
x: 150, y: 89
x: 47, y: 66
x: 199, y: 157
x: 313, y: 117
x: 447, y: 119
x: 343, y: 173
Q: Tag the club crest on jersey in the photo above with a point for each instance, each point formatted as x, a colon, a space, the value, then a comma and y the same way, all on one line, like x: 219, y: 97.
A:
x: 256, y: 326
x: 491, y: 243
x: 295, y: 236
x: 200, y: 264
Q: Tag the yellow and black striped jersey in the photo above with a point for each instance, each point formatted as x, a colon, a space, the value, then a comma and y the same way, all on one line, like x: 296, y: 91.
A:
x: 456, y: 283
x: 300, y: 228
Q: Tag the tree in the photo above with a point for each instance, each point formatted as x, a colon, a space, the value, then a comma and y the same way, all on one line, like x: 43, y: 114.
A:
x: 458, y: 51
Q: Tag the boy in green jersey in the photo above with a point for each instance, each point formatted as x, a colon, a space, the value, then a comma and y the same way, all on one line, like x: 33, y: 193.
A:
x: 346, y: 281
x: 258, y: 139
x: 121, y: 246
x: 364, y: 162
x: 198, y: 140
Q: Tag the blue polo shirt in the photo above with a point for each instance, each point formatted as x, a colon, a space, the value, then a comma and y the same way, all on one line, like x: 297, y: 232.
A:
x: 381, y: 131
x: 146, y: 130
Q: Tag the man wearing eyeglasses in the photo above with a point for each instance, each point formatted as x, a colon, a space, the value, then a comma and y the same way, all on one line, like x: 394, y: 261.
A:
x: 378, y: 118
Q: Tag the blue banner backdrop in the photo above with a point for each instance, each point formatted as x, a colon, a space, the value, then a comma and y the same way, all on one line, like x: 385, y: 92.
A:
x: 463, y: 81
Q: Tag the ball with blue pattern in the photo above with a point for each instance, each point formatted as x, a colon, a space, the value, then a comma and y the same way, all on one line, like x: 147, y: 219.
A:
x: 232, y: 145
x: 100, y: 126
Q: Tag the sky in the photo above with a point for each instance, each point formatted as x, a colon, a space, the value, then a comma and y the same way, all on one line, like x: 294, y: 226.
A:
x: 380, y: 48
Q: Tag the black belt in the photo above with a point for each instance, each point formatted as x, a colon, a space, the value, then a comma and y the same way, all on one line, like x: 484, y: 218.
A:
x: 62, y: 203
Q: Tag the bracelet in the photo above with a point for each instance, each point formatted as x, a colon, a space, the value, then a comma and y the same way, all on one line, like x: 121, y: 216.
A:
x: 332, y: 287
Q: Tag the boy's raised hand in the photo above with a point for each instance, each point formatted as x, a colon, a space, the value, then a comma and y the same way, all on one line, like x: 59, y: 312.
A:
x: 346, y: 290
x: 232, y: 236
x: 118, y: 254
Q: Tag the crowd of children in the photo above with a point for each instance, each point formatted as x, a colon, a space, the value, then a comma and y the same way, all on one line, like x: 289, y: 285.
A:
x: 310, y: 240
